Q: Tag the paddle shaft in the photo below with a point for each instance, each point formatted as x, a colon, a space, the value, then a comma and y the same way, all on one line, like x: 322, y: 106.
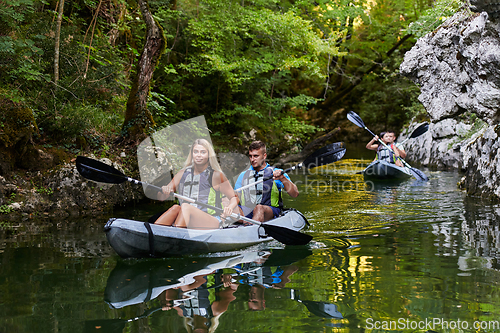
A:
x: 115, y: 325
x: 407, y: 139
x: 188, y: 199
x: 159, y: 189
x: 402, y: 143
x: 145, y: 314
x: 413, y: 135
x: 354, y: 118
x: 107, y: 174
x: 233, y: 215
x: 322, y: 156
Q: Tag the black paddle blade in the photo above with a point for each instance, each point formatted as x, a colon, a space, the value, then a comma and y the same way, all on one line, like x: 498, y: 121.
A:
x: 328, y: 154
x: 328, y: 148
x: 355, y: 119
x: 421, y: 129
x: 285, y: 235
x: 99, y: 171
x: 419, y: 174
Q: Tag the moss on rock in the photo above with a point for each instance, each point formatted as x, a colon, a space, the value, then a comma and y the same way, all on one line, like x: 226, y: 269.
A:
x: 17, y: 123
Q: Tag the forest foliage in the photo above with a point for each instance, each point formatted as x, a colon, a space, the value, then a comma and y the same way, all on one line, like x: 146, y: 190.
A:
x: 281, y: 69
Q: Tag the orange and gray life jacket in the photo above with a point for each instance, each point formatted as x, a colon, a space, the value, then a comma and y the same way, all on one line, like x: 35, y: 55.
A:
x: 199, y: 301
x: 384, y: 154
x: 199, y: 187
x: 264, y: 193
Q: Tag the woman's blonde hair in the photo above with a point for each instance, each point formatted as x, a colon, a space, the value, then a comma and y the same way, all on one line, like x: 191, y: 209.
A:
x: 212, y: 158
x: 214, y: 323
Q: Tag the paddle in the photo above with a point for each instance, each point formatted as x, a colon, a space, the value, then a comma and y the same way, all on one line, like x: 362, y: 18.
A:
x: 356, y: 120
x: 104, y: 173
x: 421, y: 129
x: 113, y: 325
x: 325, y: 155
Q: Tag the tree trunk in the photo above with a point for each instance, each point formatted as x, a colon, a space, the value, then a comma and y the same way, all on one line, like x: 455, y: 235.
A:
x: 138, y: 119
x: 57, y: 41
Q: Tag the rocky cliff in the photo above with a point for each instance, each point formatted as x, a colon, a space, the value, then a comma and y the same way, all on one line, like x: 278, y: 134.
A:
x: 63, y: 192
x: 457, y: 68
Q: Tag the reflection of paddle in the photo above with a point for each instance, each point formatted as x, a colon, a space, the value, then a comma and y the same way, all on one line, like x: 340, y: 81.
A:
x: 356, y: 120
x: 320, y: 309
x: 323, y: 156
x: 104, y: 173
x: 113, y: 325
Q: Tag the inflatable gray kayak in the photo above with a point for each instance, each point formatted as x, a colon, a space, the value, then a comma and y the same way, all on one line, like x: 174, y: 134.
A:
x: 385, y: 170
x: 136, y: 239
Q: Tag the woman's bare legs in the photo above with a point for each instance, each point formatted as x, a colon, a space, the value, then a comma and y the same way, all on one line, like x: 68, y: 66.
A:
x: 169, y: 216
x: 193, y: 218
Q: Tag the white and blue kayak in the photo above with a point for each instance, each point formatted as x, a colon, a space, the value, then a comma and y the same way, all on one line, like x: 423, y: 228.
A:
x: 382, y: 170
x: 136, y: 239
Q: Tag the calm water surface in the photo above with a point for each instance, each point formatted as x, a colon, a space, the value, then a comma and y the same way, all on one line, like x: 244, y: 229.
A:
x: 408, y: 257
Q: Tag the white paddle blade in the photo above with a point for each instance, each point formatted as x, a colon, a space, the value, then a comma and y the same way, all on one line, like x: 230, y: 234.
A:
x: 355, y: 119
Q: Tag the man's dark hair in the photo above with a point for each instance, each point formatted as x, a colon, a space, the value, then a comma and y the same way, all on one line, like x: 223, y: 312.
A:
x: 383, y: 133
x: 257, y: 145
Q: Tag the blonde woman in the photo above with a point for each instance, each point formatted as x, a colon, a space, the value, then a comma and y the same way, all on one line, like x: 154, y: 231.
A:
x: 200, y: 179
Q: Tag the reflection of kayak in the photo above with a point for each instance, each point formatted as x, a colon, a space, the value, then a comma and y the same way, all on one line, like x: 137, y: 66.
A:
x: 131, y: 239
x: 143, y: 281
x: 385, y: 170
x: 146, y: 280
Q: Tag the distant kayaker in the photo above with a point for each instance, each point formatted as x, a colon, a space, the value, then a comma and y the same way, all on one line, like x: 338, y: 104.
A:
x: 263, y: 201
x: 385, y: 154
x: 200, y: 179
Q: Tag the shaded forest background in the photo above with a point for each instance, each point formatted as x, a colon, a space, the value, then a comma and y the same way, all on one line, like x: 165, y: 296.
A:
x: 72, y: 74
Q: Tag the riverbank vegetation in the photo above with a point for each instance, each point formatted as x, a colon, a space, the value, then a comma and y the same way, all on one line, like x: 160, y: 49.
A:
x: 98, y: 75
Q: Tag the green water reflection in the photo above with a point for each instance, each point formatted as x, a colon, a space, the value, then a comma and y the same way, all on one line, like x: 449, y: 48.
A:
x: 383, y: 254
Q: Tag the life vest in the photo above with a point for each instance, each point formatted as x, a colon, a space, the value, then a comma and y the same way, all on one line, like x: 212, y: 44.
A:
x: 264, y: 193
x: 199, y: 301
x: 199, y: 187
x: 385, y: 154
x: 257, y: 274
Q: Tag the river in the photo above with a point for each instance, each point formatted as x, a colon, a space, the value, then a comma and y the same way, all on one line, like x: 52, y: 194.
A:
x: 407, y: 256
